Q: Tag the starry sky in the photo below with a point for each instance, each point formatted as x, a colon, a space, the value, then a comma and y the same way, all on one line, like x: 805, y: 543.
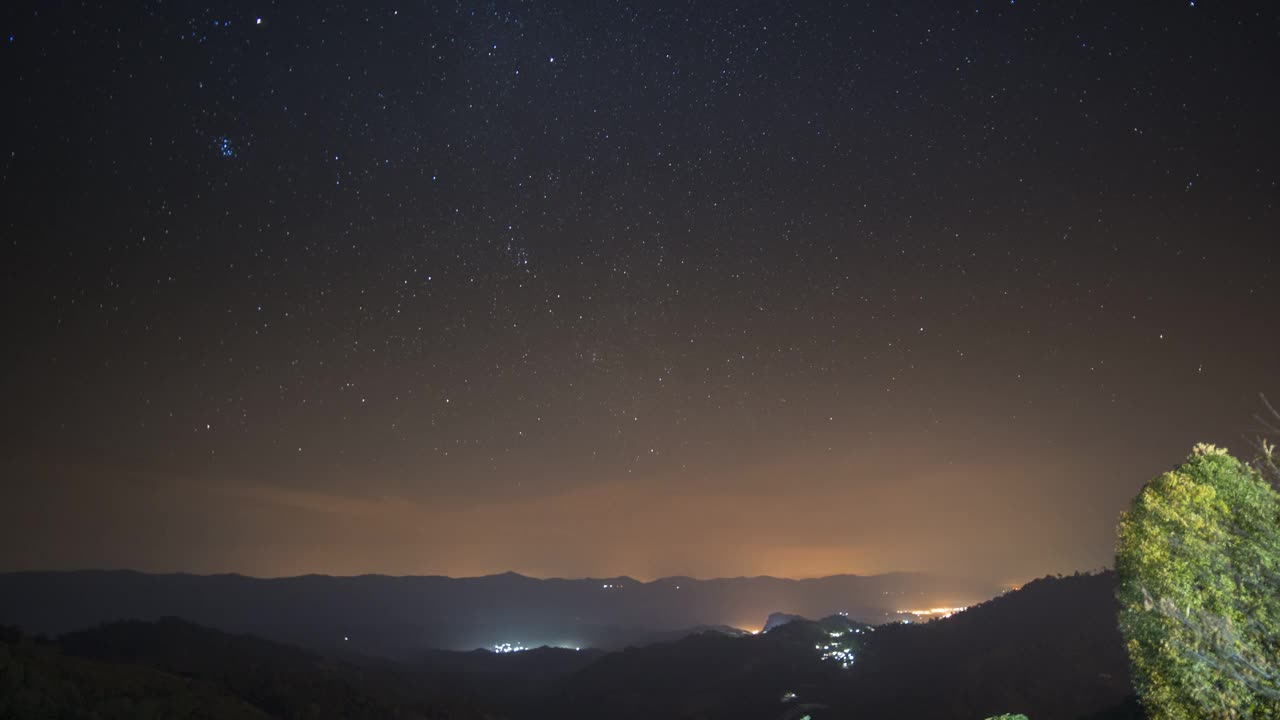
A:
x: 625, y: 288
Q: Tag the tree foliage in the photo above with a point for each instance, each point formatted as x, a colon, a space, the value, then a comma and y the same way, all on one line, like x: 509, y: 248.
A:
x: 1198, y: 559
x: 1268, y: 460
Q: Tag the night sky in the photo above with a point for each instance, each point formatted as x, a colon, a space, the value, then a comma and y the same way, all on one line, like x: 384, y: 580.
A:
x: 608, y: 288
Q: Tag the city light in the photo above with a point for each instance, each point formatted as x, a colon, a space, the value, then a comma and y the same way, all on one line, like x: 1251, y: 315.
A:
x: 837, y: 653
x: 934, y: 613
x: 504, y: 648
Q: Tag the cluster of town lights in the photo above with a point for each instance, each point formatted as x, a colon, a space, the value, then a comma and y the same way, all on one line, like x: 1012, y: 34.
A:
x: 939, y: 612
x: 836, y: 653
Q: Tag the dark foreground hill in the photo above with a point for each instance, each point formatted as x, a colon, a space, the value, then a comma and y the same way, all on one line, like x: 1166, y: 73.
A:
x: 282, y: 680
x: 173, y: 668
x: 401, y: 616
x: 1050, y: 650
x: 38, y: 682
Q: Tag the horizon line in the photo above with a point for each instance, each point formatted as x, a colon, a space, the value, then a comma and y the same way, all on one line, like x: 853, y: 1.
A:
x: 477, y: 577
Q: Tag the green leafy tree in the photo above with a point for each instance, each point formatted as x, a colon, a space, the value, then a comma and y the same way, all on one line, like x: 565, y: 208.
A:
x: 1198, y: 559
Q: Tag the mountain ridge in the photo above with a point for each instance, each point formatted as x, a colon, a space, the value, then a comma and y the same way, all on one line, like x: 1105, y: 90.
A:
x: 1050, y: 649
x: 393, y: 615
x: 503, y: 574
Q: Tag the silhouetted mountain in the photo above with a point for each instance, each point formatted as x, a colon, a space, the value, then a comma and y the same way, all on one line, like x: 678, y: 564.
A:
x: 779, y: 619
x: 403, y: 615
x: 37, y: 682
x: 1050, y: 650
x: 706, y: 675
x: 283, y: 681
x: 506, y: 682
